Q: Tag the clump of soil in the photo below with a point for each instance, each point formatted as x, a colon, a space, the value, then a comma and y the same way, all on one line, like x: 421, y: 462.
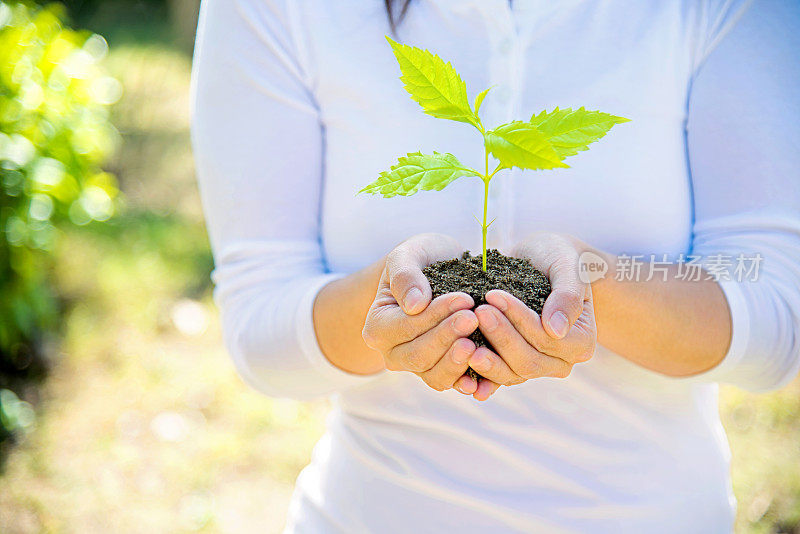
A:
x: 514, y: 275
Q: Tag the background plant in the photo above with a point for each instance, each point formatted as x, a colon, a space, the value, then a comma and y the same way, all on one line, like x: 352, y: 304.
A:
x: 543, y: 142
x: 55, y: 134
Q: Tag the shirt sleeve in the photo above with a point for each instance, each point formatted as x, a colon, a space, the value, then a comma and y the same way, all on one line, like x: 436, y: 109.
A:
x: 258, y: 145
x: 743, y: 138
x: 714, y: 20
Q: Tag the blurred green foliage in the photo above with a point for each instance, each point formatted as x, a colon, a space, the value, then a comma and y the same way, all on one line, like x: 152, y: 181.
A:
x: 55, y: 134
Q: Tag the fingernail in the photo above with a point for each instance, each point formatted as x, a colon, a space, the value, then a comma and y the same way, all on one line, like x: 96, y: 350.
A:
x: 464, y: 325
x: 460, y: 356
x: 488, y: 320
x: 559, y: 324
x: 480, y: 363
x: 412, y: 299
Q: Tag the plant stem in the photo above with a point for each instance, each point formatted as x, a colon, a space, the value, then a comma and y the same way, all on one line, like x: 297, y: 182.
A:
x: 484, y: 226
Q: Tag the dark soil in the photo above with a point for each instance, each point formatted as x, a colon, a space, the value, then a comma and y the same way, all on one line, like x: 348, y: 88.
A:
x: 513, y: 275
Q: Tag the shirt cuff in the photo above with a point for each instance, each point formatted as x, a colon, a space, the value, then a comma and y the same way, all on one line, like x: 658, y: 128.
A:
x: 334, y: 378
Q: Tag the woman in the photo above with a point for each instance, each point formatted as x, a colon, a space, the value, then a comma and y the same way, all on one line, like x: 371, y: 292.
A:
x: 297, y: 106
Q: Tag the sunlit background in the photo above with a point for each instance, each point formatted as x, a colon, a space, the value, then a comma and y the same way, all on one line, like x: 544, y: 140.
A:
x: 119, y: 410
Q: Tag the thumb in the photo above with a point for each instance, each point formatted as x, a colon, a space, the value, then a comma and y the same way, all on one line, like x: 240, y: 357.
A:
x: 565, y: 303
x: 407, y: 283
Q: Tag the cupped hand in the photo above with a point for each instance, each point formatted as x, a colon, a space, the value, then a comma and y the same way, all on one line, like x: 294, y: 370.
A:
x: 414, y: 333
x: 526, y: 344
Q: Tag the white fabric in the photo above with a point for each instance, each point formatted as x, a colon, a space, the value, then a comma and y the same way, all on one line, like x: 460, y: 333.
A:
x: 297, y: 105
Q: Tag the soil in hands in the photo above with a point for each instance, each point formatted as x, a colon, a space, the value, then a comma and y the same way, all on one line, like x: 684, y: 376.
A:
x: 514, y: 275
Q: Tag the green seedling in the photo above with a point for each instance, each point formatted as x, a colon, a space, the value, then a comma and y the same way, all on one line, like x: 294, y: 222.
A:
x: 543, y: 142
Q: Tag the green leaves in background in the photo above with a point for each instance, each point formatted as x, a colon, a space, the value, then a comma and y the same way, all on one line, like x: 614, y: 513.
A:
x: 415, y: 172
x: 571, y: 131
x: 433, y: 84
x: 520, y: 144
x: 55, y: 135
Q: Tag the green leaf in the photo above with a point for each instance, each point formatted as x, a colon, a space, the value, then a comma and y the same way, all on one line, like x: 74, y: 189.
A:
x: 415, y: 172
x: 433, y: 84
x: 572, y: 131
x: 479, y: 99
x: 520, y: 144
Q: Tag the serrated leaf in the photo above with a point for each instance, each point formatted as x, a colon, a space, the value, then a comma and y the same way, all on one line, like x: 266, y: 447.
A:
x: 520, y: 144
x: 570, y: 132
x: 414, y: 172
x: 479, y: 99
x: 433, y: 83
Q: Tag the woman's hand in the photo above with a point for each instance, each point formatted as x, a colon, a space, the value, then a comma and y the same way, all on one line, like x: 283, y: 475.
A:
x: 413, y: 333
x: 527, y: 345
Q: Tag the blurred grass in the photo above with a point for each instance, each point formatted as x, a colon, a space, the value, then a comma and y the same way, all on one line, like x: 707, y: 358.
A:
x: 144, y: 426
x: 764, y: 433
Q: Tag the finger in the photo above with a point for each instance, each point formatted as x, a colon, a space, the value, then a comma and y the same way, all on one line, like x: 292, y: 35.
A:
x: 585, y: 328
x: 466, y: 385
x: 404, y: 265
x: 506, y: 341
x: 422, y: 353
x: 405, y: 279
x: 387, y: 325
x: 486, y: 389
x: 577, y: 346
x: 515, y: 352
x: 565, y: 303
x: 492, y: 367
x: 451, y: 367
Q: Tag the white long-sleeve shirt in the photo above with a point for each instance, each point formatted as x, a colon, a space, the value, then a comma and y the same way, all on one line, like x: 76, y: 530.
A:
x: 297, y: 105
